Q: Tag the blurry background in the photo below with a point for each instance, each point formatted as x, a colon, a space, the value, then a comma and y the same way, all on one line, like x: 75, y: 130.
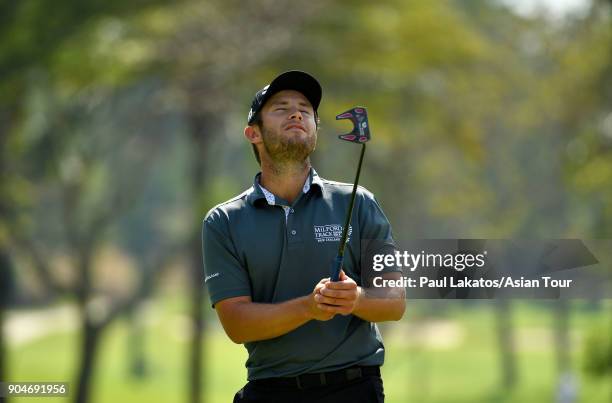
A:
x: 121, y: 126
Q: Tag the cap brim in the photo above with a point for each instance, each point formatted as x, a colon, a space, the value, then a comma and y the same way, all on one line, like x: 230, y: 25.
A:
x: 298, y: 81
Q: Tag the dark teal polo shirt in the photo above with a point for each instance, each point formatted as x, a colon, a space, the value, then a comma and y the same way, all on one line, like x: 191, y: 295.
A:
x: 252, y: 248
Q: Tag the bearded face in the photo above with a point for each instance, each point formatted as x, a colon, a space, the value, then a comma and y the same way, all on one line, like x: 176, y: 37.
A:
x: 288, y: 127
x: 287, y: 147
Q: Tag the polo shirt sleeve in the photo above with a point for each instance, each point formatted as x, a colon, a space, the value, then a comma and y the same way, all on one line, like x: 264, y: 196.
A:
x: 225, y: 277
x: 373, y: 222
x: 376, y: 234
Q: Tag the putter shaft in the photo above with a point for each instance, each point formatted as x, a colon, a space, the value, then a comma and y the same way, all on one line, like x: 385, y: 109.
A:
x: 337, y: 264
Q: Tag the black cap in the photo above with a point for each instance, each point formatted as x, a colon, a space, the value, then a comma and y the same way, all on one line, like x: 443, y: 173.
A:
x: 289, y: 80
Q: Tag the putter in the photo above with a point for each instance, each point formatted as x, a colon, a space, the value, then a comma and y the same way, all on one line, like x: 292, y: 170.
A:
x: 360, y: 135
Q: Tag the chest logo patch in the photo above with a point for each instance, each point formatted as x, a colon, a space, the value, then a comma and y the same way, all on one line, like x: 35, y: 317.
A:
x: 330, y: 233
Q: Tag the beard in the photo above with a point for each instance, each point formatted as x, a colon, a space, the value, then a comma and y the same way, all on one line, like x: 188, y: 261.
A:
x: 288, y: 148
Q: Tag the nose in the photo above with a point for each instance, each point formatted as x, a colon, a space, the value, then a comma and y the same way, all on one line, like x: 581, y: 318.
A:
x: 296, y: 114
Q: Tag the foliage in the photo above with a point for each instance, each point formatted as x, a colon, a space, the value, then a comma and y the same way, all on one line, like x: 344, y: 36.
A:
x: 598, y: 350
x: 120, y: 122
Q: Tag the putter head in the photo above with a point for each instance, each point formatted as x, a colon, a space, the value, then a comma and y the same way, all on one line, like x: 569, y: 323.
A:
x: 361, y: 128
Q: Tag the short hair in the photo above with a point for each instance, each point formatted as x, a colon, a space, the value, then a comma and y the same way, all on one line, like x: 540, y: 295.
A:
x: 257, y: 121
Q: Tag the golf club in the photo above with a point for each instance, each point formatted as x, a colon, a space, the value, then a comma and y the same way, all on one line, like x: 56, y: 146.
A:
x: 360, y: 135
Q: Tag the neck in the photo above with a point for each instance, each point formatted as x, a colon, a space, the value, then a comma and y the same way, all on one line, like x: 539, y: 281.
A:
x: 285, y: 179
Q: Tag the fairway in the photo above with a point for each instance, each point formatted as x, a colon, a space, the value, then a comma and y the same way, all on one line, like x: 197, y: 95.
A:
x: 452, y: 357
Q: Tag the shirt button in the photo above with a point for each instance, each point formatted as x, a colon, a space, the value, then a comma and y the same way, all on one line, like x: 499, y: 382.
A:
x: 293, y: 232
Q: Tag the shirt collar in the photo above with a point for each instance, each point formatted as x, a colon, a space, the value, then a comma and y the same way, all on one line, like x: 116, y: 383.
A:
x: 258, y: 192
x: 316, y: 180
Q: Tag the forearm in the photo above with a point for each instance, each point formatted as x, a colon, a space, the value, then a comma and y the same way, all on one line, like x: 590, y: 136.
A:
x: 252, y: 321
x: 375, y: 308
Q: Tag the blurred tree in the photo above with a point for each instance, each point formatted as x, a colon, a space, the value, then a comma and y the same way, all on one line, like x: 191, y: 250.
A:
x: 207, y: 50
x: 5, y: 273
x: 583, y: 81
x: 7, y: 284
x: 33, y: 35
x: 597, y: 347
x: 83, y: 190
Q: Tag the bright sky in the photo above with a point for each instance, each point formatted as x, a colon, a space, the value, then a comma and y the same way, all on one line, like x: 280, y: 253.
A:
x: 556, y: 8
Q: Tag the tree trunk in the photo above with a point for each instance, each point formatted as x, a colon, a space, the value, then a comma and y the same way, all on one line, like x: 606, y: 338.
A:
x: 90, y: 332
x: 201, y: 126
x: 196, y: 365
x: 196, y: 369
x: 3, y: 374
x: 6, y: 290
x: 505, y: 337
x: 567, y: 382
x: 135, y: 353
x: 562, y: 345
x: 609, y: 342
x: 6, y: 274
x: 89, y: 348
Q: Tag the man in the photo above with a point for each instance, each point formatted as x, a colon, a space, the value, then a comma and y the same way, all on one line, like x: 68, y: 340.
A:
x: 267, y: 255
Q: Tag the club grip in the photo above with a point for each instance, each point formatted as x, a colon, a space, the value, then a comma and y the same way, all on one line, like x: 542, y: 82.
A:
x: 335, y: 269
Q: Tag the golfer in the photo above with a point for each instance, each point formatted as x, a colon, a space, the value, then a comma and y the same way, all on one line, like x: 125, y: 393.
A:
x: 268, y: 253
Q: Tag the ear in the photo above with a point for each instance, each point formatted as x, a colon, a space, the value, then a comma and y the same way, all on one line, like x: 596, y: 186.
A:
x: 252, y: 134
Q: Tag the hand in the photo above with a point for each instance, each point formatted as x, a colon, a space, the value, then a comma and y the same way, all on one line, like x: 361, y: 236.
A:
x: 340, y: 296
x: 314, y: 308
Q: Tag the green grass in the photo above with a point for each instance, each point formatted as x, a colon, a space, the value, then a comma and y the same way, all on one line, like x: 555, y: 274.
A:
x: 466, y: 370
